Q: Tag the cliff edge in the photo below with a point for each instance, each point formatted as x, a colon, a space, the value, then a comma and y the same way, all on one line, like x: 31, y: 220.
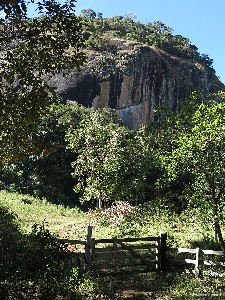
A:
x: 134, y: 79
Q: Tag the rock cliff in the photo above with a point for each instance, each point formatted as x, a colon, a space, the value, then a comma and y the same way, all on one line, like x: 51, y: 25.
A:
x: 134, y: 79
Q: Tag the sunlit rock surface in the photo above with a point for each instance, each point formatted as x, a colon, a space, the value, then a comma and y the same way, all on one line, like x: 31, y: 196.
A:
x: 135, y: 79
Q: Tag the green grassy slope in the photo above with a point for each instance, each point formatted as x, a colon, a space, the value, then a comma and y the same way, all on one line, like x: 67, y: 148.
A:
x: 63, y: 221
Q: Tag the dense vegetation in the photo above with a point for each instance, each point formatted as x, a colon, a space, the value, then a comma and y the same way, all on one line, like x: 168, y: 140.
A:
x: 31, y: 52
x: 101, y: 30
x: 173, y: 168
x: 177, y: 159
x: 168, y: 176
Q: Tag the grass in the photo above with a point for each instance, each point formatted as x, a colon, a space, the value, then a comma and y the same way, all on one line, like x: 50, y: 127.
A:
x: 191, y: 228
x: 63, y: 221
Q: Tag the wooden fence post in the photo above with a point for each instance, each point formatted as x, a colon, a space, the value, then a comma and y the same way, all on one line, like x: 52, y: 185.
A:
x: 115, y: 254
x: 197, y: 262
x: 88, y: 248
x: 162, y: 251
x: 93, y: 253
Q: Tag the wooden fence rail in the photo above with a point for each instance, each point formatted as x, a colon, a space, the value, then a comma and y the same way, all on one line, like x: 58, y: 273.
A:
x: 114, y: 256
x: 125, y: 255
x: 110, y: 256
x: 145, y: 254
x: 200, y: 259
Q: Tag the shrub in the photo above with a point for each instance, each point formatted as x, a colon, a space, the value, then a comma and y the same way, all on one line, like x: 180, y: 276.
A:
x: 112, y: 215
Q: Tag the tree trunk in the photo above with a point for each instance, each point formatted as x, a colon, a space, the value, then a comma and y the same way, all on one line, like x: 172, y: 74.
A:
x: 219, y: 234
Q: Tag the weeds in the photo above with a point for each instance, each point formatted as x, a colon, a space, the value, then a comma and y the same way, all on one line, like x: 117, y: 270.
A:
x: 112, y: 215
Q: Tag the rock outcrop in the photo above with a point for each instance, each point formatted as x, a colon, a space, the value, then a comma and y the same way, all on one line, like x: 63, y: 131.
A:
x: 134, y: 79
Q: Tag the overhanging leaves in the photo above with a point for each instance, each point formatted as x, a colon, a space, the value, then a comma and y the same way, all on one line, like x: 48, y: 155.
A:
x: 31, y: 51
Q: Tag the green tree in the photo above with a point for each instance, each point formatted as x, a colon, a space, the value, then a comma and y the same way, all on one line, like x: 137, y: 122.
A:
x: 31, y: 52
x: 153, y: 34
x: 48, y: 174
x: 112, y: 160
x: 196, y: 145
x: 88, y: 13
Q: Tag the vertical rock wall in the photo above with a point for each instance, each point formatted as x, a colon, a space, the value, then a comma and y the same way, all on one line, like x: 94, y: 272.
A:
x: 149, y: 79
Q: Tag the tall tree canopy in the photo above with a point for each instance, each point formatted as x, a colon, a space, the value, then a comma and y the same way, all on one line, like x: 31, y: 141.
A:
x: 31, y: 51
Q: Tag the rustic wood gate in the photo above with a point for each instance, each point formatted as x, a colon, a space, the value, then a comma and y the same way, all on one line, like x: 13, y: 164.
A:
x: 125, y: 255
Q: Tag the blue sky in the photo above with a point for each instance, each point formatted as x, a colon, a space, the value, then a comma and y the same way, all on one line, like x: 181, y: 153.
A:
x: 201, y: 21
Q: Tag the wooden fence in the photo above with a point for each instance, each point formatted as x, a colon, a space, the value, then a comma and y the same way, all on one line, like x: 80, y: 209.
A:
x: 127, y: 255
x: 179, y: 258
x: 8, y: 242
x: 113, y: 256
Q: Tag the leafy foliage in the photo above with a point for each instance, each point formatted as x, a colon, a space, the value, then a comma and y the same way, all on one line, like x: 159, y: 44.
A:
x: 111, y: 161
x: 196, y: 147
x: 48, y: 174
x: 40, y: 267
x: 155, y: 34
x: 31, y: 52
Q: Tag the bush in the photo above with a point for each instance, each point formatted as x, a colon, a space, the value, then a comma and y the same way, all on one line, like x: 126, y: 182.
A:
x: 41, y: 269
x: 112, y: 215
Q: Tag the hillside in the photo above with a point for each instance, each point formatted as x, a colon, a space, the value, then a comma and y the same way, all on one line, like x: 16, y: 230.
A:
x: 136, y: 68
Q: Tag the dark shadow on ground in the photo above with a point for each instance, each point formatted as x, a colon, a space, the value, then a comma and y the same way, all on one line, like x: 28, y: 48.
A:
x: 163, y: 286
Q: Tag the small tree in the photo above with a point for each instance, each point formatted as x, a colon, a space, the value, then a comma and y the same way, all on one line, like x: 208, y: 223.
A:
x: 198, y: 147
x: 111, y: 161
x: 88, y: 13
